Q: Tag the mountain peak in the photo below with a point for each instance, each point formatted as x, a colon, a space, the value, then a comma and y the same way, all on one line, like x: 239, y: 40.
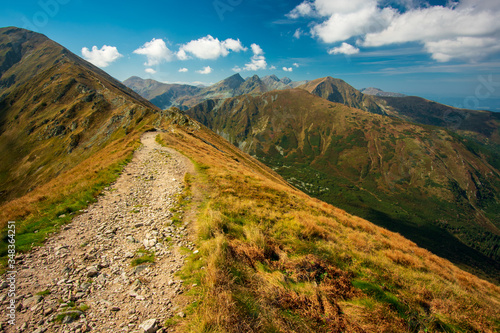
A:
x: 232, y: 82
x: 286, y: 80
x: 272, y: 77
x: 254, y: 78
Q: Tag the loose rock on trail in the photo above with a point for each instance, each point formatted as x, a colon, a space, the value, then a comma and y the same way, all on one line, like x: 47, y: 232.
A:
x: 82, y: 279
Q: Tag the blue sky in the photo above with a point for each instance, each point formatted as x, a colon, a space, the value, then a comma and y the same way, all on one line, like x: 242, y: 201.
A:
x: 445, y: 51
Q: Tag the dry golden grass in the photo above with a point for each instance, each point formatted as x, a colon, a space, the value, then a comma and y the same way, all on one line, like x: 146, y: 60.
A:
x: 278, y: 261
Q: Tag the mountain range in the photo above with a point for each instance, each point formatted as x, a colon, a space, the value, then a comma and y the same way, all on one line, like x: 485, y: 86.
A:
x: 483, y: 125
x: 165, y: 95
x: 268, y: 257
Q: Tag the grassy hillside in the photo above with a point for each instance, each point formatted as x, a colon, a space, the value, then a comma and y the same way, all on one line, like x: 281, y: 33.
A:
x: 275, y: 260
x: 66, y: 130
x: 378, y: 167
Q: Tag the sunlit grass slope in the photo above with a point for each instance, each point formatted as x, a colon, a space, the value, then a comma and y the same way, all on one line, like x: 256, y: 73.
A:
x: 273, y: 259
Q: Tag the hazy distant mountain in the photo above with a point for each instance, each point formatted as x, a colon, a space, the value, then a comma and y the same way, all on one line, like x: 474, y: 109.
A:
x: 379, y: 92
x: 184, y: 96
x: 163, y: 95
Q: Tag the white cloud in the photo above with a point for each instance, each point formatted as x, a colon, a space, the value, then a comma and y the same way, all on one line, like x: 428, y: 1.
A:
x: 462, y: 48
x: 256, y: 49
x: 209, y: 48
x: 272, y: 67
x: 288, y: 69
x: 296, y: 65
x: 345, y: 48
x: 156, y: 52
x: 466, y: 29
x: 258, y: 61
x: 150, y: 71
x: 340, y: 27
x: 101, y: 57
x: 304, y: 9
x: 298, y: 33
x: 183, y: 70
x: 205, y: 70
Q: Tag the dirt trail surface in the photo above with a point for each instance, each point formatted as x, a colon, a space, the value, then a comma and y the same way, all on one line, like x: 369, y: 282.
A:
x: 83, y: 279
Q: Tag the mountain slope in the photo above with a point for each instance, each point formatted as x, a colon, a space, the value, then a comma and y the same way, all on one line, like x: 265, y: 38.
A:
x: 374, y: 166
x: 66, y: 130
x: 482, y: 125
x: 272, y: 259
x: 55, y: 110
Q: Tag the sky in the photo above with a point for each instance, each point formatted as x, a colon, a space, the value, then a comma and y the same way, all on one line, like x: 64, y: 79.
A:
x: 444, y: 50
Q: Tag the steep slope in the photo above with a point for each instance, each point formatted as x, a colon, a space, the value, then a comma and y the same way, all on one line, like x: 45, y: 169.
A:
x: 252, y: 86
x: 374, y: 166
x: 55, y: 110
x: 272, y: 259
x: 480, y: 126
x: 336, y: 90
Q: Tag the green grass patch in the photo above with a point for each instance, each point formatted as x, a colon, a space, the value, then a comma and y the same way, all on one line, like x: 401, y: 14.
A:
x: 43, y: 292
x: 145, y: 256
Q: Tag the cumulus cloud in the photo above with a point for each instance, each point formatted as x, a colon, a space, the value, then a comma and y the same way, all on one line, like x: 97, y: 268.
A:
x: 150, y: 71
x: 205, y: 70
x: 156, y: 52
x: 296, y: 65
x: 102, y: 57
x: 183, y: 70
x: 209, y: 48
x: 288, y: 69
x: 345, y: 48
x: 466, y: 29
x: 258, y: 60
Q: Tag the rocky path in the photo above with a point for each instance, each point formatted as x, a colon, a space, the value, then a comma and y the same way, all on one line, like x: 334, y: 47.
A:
x: 84, y: 278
